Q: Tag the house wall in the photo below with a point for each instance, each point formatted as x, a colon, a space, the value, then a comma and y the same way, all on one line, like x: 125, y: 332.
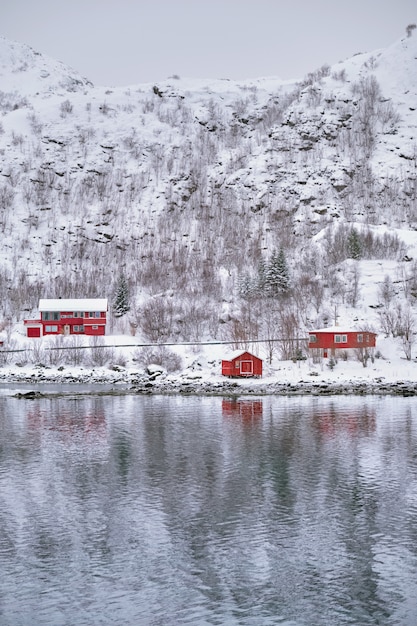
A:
x: 227, y: 368
x: 326, y: 340
x: 66, y: 323
x: 94, y: 329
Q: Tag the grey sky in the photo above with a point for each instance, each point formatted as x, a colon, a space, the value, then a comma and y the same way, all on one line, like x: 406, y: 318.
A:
x: 123, y: 42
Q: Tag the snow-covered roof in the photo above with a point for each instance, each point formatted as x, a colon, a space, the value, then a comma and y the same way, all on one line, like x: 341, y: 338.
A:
x: 73, y: 304
x: 236, y: 353
x: 338, y: 329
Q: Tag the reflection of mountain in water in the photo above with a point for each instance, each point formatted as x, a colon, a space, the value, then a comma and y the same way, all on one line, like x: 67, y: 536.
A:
x: 204, y: 510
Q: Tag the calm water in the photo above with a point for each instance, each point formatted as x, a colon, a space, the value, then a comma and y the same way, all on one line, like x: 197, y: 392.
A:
x: 173, y: 511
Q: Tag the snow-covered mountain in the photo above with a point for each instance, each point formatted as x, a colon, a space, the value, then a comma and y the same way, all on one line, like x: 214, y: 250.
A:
x: 28, y: 73
x: 189, y: 189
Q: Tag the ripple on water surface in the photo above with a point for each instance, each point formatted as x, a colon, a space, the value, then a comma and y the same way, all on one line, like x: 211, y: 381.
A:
x: 153, y: 510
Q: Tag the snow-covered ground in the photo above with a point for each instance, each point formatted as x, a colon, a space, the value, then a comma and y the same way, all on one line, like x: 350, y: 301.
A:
x: 390, y: 372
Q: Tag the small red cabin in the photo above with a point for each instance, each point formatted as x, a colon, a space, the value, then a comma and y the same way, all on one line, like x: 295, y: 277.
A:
x: 336, y: 338
x: 77, y: 316
x: 242, y: 364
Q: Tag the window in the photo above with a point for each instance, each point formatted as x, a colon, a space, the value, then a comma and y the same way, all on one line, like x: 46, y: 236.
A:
x: 66, y: 315
x: 340, y: 338
x: 360, y: 338
x: 50, y: 315
x: 78, y: 314
x: 94, y: 327
x: 78, y: 328
x: 313, y: 338
x: 51, y: 329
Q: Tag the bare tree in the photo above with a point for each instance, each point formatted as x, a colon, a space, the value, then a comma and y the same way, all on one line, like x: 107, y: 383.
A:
x: 409, y: 29
x: 353, y: 291
x: 270, y: 330
x: 75, y: 354
x: 363, y: 355
x: 407, y: 327
x: 386, y: 291
x: 156, y: 319
x: 55, y: 353
x: 394, y: 320
x: 158, y: 355
x: 289, y: 334
x: 98, y: 353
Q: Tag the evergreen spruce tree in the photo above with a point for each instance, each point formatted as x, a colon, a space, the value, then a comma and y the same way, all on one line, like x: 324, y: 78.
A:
x: 261, y: 275
x: 277, y: 280
x: 354, y: 247
x: 121, y: 300
x: 245, y: 286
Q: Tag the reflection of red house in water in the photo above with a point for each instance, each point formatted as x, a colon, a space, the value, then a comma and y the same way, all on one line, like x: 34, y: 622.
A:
x: 242, y: 364
x: 333, y: 422
x: 246, y: 409
x: 75, y: 316
x: 335, y: 338
x: 92, y: 424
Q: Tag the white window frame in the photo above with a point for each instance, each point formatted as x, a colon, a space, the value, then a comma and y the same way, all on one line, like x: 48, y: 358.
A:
x: 340, y: 338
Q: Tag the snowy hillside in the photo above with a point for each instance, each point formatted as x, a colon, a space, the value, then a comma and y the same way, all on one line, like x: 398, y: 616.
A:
x: 233, y: 210
x: 28, y: 73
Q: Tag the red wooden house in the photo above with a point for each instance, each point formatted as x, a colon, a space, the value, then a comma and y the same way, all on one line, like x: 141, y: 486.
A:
x: 242, y: 364
x: 76, y: 316
x: 335, y: 338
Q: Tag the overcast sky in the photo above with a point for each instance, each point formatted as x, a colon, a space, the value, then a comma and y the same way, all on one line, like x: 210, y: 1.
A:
x: 123, y: 42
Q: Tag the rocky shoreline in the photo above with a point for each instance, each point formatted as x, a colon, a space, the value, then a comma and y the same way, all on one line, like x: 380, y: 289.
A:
x: 125, y: 382
x: 279, y: 389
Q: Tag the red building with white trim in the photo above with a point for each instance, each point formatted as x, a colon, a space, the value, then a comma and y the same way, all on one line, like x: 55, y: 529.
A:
x: 74, y: 316
x: 335, y: 338
x: 242, y: 364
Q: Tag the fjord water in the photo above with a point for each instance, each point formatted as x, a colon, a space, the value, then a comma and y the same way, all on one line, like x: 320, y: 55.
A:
x: 141, y: 510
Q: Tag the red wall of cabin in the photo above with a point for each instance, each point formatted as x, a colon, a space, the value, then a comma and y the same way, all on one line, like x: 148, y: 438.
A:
x: 229, y: 367
x: 326, y: 340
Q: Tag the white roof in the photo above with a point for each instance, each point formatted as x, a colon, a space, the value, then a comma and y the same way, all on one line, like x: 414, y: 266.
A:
x: 73, y: 304
x: 338, y: 330
x: 235, y: 353
x: 332, y: 329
